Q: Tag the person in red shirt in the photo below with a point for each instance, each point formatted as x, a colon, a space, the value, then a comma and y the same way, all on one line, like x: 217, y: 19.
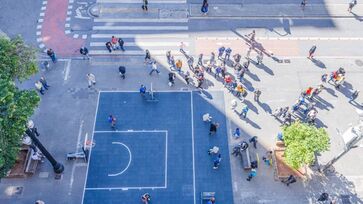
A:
x: 114, y: 42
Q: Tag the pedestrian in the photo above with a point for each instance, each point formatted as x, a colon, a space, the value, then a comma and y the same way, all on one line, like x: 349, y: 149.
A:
x: 39, y: 202
x: 147, y: 56
x: 204, y: 8
x: 142, y: 90
x: 221, y: 52
x: 213, y: 128
x: 179, y: 65
x: 354, y: 96
x: 200, y: 79
x: 44, y: 82
x: 212, y: 200
x: 268, y: 158
x: 206, y: 117
x: 144, y: 5
x: 31, y: 126
x: 84, y: 51
x: 303, y: 4
x: 109, y: 47
x: 145, y: 198
x: 237, y: 133
x: 244, y: 111
x: 351, y: 5
x: 191, y: 63
x: 252, y: 36
x: 39, y: 87
x: 323, y: 197
x: 187, y: 77
x: 218, y: 71
x: 122, y: 71
x: 154, y: 68
x: 246, y: 64
x: 291, y: 179
x: 200, y: 60
x: 114, y: 42
x: 213, y: 150
x: 253, y: 140
x: 52, y: 55
x: 171, y: 76
x: 253, y: 173
x: 257, y: 94
x: 168, y: 56
x: 112, y: 120
x: 228, y: 54
x: 311, y: 52
x: 212, y: 60
x: 91, y: 79
x: 324, y: 77
x: 217, y: 161
x: 172, y: 63
x: 259, y: 57
x: 121, y: 43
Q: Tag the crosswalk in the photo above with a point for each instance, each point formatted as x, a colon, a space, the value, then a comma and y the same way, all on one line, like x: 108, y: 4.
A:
x: 157, y: 33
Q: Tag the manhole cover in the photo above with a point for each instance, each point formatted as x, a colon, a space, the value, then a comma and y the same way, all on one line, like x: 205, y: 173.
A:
x: 280, y: 61
x: 359, y: 63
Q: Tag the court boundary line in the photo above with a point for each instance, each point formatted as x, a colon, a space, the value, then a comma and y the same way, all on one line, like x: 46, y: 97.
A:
x: 136, y: 187
x: 90, y: 151
x: 193, y: 160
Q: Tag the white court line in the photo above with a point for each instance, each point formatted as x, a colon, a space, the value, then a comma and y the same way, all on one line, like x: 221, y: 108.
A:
x: 140, y: 28
x: 141, y: 20
x: 192, y: 113
x: 130, y: 159
x: 128, y: 131
x: 126, y: 188
x: 138, y: 2
x: 166, y: 160
x: 131, y: 91
x: 185, y: 36
x: 90, y: 152
x: 144, y: 44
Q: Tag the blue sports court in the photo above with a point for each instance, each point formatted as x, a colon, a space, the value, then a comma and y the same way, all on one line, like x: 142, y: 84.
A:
x: 158, y: 148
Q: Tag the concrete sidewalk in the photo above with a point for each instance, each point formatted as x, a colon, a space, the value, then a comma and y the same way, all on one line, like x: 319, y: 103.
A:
x: 277, y: 10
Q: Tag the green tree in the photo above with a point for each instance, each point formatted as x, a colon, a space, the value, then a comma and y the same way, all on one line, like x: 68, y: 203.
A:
x: 17, y: 62
x: 302, y: 142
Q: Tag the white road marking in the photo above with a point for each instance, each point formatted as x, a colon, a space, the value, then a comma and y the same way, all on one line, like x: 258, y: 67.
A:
x: 128, y: 164
x: 192, y: 120
x: 140, y: 28
x: 142, y: 36
x: 141, y: 20
x: 132, y: 52
x: 138, y: 2
x: 285, y: 38
x: 142, y: 44
x: 67, y: 69
x: 126, y: 188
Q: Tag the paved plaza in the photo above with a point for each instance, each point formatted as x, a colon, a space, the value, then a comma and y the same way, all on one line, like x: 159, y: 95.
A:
x: 161, y: 147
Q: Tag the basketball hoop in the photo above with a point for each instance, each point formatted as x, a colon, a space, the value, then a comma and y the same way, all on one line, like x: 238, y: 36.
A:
x: 89, y: 144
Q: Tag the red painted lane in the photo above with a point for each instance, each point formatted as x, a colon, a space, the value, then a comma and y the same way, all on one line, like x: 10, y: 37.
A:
x: 53, y: 35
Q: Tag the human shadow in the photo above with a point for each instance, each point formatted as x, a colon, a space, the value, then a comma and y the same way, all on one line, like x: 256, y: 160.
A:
x: 256, y: 46
x: 250, y: 106
x: 344, y: 90
x: 253, y: 124
x: 204, y: 94
x: 357, y: 17
x: 322, y: 103
x: 248, y: 85
x: 264, y: 67
x: 318, y: 63
x: 356, y: 104
x: 330, y: 91
x: 265, y: 107
x: 319, y: 123
x: 253, y: 76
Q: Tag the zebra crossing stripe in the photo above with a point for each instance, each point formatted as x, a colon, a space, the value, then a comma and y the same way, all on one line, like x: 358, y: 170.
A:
x: 133, y: 52
x: 141, y: 20
x: 142, y: 36
x: 140, y: 28
x: 139, y: 2
x: 143, y: 44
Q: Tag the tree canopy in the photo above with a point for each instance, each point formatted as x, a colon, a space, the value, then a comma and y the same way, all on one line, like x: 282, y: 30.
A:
x: 302, y: 142
x: 17, y: 62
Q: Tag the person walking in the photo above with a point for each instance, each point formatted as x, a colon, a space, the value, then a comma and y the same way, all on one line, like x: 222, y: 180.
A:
x: 253, y: 173
x: 212, y: 60
x: 252, y: 36
x: 204, y: 8
x: 112, y: 121
x: 52, y: 55
x: 311, y: 52
x: 44, y: 82
x: 91, y: 79
x: 142, y: 90
x: 179, y: 65
x: 237, y: 133
x: 324, y: 78
x: 217, y: 161
x: 244, y: 111
x: 268, y: 158
x: 168, y: 56
x: 253, y: 140
x: 228, y: 54
x: 154, y: 68
x: 171, y: 77
x: 121, y: 43
x: 114, y: 42
x: 303, y: 4
x: 213, y: 128
x: 221, y: 52
x: 144, y: 5
x: 38, y: 85
x: 147, y: 56
x: 259, y: 57
x: 351, y: 5
x: 109, y: 47
x: 257, y: 94
x: 122, y: 71
x: 190, y: 63
x: 187, y: 77
x: 200, y: 60
x: 84, y: 51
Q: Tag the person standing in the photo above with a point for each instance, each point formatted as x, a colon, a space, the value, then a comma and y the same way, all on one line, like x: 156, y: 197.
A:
x: 257, y: 94
x: 114, y: 42
x: 259, y: 57
x: 248, y: 54
x: 39, y: 87
x: 351, y: 5
x: 213, y: 128
x: 204, y: 8
x: 52, y: 55
x: 253, y: 173
x: 303, y: 4
x: 84, y: 52
x: 144, y: 5
x: 154, y: 68
x: 200, y: 60
x: 44, y: 82
x: 142, y: 90
x: 217, y: 161
x: 147, y: 56
x: 109, y: 47
x: 221, y: 52
x: 268, y: 158
x: 121, y: 43
x: 191, y: 63
x: 91, y: 79
x: 228, y: 54
x: 291, y: 179
x: 171, y: 77
x: 112, y: 121
x: 252, y: 36
x: 253, y: 140
x: 237, y: 133
x: 122, y: 71
x: 187, y: 77
x: 312, y: 51
x: 179, y: 65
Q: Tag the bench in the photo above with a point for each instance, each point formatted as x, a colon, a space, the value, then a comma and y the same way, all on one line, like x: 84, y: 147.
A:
x: 206, y: 196
x: 31, y: 164
x: 246, y: 159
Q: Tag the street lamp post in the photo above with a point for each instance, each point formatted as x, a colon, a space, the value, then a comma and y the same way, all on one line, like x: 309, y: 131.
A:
x: 58, y: 168
x: 351, y: 138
